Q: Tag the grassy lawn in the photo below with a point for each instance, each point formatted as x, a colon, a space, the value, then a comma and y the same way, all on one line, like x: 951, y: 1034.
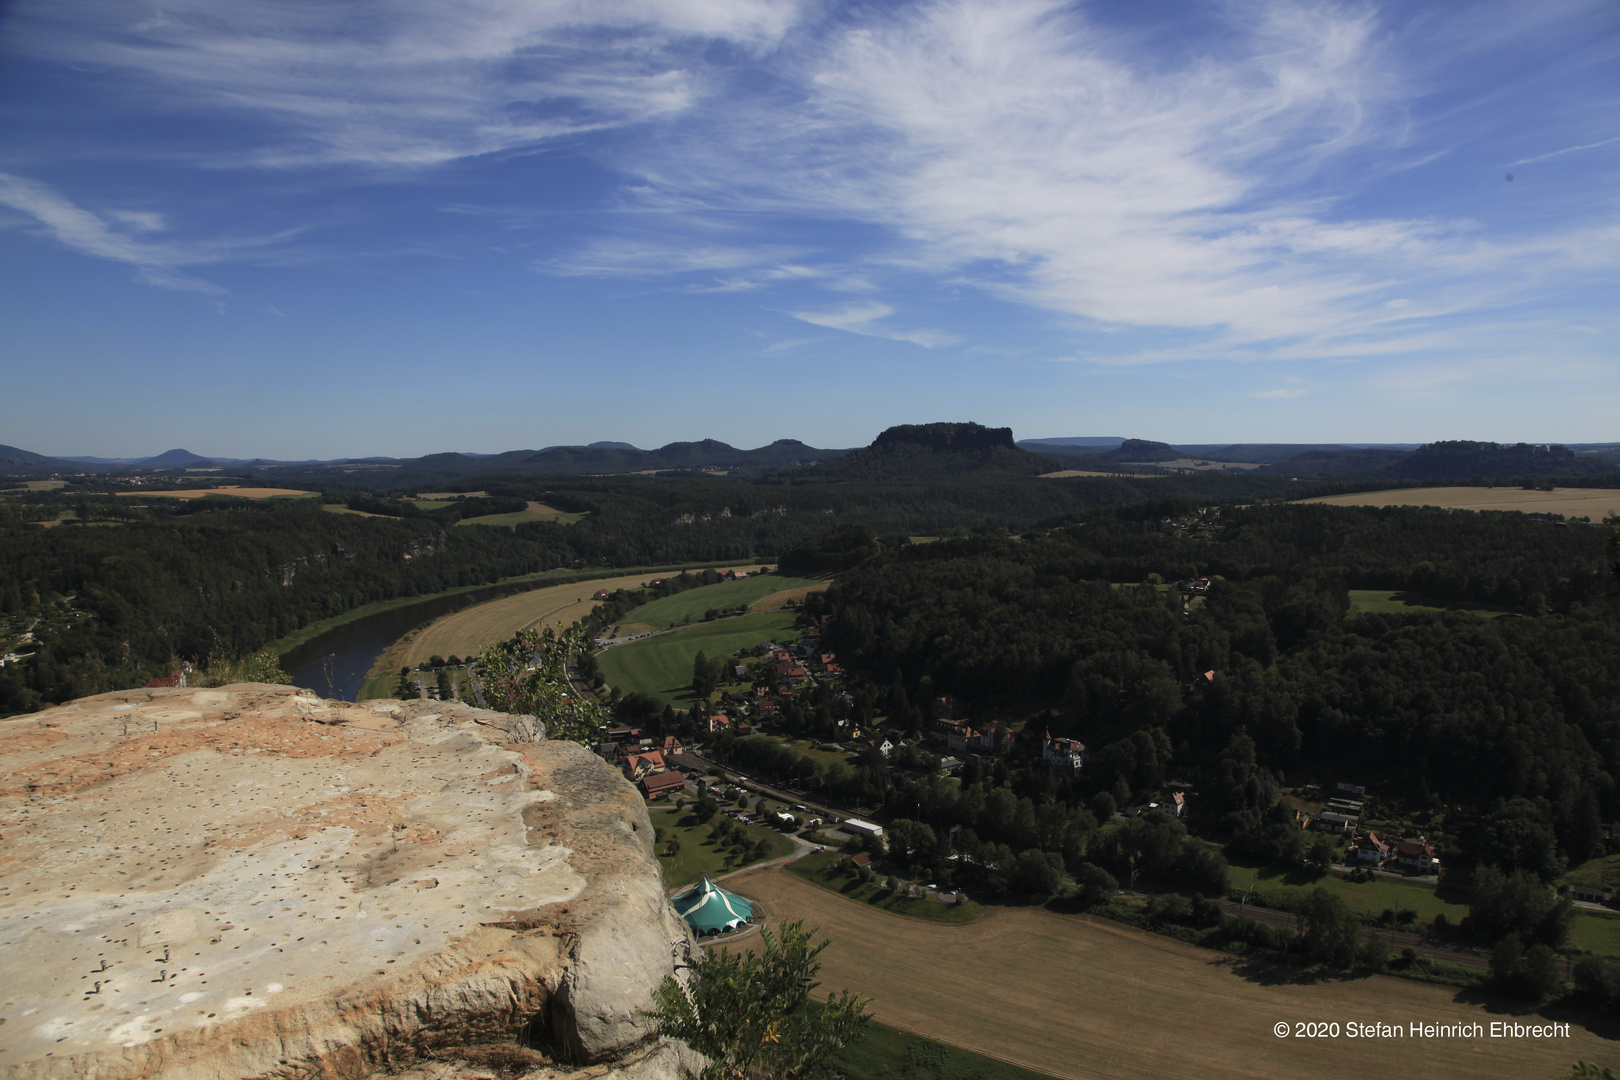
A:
x: 809, y: 750
x: 1601, y: 872
x: 886, y: 1053
x: 1370, y: 897
x: 1365, y: 600
x: 662, y: 666
x: 1595, y: 933
x: 823, y: 870
x: 690, y: 605
x: 698, y: 854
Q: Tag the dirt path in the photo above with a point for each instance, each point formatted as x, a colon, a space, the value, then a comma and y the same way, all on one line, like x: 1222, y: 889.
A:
x: 1087, y: 999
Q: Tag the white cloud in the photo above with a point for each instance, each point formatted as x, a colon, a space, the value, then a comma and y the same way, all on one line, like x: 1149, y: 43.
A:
x: 410, y: 83
x: 1020, y: 148
x: 95, y: 235
x: 863, y: 319
x: 1285, y: 393
x: 1565, y: 150
x: 653, y: 256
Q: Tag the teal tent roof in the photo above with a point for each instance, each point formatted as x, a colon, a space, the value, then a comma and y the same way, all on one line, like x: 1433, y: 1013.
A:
x: 709, y: 909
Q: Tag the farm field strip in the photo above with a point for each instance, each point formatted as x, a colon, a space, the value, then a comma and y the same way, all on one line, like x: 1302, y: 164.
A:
x: 466, y: 632
x: 690, y: 605
x: 779, y: 600
x: 518, y: 517
x: 1081, y: 998
x: 1365, y: 600
x: 1590, y: 503
x: 238, y: 492
x: 661, y: 666
x: 1368, y: 897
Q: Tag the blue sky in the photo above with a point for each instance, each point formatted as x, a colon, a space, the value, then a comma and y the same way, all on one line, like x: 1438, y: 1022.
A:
x: 294, y: 228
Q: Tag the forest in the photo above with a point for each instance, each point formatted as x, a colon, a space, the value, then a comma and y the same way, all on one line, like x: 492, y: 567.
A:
x: 1082, y: 631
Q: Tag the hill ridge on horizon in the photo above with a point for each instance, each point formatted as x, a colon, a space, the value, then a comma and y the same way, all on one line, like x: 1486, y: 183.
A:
x: 612, y: 457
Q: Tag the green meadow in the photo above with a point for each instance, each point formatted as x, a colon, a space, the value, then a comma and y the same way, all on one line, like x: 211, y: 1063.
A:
x: 690, y: 606
x: 662, y: 666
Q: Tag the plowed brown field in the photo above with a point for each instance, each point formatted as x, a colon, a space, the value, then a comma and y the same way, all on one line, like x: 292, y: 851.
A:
x: 1088, y: 999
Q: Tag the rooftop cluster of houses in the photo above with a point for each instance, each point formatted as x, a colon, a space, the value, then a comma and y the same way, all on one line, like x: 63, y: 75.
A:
x: 643, y: 759
x: 1341, y: 816
x: 792, y: 668
x: 950, y: 725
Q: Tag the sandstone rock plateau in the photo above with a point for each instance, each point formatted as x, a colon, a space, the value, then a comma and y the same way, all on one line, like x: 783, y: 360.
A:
x: 253, y: 882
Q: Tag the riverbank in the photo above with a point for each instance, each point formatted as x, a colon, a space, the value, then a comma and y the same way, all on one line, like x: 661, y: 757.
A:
x: 335, y: 655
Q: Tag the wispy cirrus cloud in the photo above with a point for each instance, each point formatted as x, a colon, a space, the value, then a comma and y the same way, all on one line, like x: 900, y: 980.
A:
x: 1024, y: 148
x: 105, y: 236
x: 412, y: 83
x: 1565, y: 150
x: 866, y: 319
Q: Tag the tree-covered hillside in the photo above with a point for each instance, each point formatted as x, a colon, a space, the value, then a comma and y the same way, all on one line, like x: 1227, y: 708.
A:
x: 1052, y: 629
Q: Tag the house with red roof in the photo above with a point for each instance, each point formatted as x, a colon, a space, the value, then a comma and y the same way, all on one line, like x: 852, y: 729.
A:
x: 1417, y: 856
x: 638, y: 765
x: 1063, y: 753
x: 1370, y: 849
x: 664, y: 783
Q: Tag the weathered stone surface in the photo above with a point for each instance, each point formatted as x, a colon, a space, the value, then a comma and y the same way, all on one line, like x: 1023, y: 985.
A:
x: 251, y: 881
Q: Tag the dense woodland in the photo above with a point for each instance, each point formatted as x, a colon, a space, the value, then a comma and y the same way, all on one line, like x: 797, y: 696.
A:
x: 1517, y: 713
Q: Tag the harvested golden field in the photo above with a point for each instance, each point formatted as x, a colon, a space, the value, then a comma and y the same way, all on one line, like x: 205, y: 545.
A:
x: 466, y: 632
x: 1593, y: 504
x: 1087, y: 999
x: 779, y: 600
x: 239, y: 492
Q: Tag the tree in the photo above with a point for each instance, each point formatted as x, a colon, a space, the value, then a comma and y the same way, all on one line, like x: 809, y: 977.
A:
x: 752, y: 1016
x: 1516, y: 835
x: 542, y: 691
x: 1329, y: 931
x: 1096, y: 884
x: 1528, y: 973
x: 446, y: 690
x: 1038, y: 873
x: 1517, y: 903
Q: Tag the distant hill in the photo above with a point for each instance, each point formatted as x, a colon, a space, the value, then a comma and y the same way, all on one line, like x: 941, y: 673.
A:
x: 602, y: 458
x: 1142, y: 450
x: 1462, y: 460
x: 1271, y: 453
x: 932, y: 451
x: 1456, y: 460
x: 1081, y: 444
x: 11, y: 455
x: 1339, y: 462
x: 177, y: 459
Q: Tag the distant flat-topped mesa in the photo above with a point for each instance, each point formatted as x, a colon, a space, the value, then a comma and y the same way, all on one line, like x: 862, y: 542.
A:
x: 253, y: 882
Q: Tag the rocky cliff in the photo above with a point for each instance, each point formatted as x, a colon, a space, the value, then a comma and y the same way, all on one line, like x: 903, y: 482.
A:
x: 254, y: 882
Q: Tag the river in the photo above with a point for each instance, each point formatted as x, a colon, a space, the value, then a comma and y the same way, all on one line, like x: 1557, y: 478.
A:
x: 334, y: 665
